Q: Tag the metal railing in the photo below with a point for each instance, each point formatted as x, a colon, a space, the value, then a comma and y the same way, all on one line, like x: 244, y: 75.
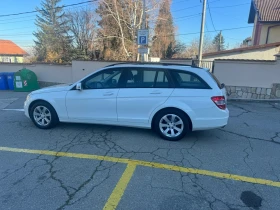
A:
x: 204, y: 64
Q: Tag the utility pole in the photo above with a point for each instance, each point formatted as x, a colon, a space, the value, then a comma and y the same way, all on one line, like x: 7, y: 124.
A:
x: 143, y: 25
x: 202, y: 32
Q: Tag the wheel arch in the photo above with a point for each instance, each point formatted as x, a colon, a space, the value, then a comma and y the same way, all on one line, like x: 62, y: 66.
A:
x: 40, y: 100
x: 172, y: 108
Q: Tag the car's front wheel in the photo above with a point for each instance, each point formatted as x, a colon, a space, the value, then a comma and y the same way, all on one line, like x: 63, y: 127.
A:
x: 171, y: 124
x: 43, y: 115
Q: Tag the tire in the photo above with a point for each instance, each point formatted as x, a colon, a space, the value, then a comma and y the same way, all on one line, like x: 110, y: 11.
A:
x: 171, y: 119
x: 44, y: 111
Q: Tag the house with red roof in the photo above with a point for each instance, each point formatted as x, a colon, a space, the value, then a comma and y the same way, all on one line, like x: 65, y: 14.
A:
x: 10, y: 52
x: 265, y: 15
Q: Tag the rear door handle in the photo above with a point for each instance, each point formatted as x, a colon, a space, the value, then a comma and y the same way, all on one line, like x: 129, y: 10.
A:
x: 155, y: 93
x: 108, y: 94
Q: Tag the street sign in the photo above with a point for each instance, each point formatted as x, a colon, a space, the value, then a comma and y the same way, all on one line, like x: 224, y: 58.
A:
x: 143, y: 36
x: 143, y: 50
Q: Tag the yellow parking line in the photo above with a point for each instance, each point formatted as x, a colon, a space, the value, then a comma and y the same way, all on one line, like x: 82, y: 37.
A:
x: 148, y: 164
x: 118, y: 192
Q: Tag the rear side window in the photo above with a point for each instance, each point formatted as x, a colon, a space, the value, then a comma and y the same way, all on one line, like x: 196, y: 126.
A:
x: 188, y: 80
x: 216, y: 80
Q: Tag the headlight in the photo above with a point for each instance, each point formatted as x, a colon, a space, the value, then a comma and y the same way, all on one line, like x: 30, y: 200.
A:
x: 28, y: 96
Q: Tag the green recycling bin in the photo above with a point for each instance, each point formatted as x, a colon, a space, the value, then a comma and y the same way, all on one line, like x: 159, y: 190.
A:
x: 25, y: 80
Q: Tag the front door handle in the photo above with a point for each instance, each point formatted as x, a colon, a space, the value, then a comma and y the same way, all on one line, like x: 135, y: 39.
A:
x: 108, y: 94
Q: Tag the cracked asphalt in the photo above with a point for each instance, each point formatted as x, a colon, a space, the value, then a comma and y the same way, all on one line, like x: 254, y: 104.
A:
x: 249, y: 146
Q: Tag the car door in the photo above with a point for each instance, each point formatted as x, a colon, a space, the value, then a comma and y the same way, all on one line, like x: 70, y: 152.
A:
x: 194, y: 92
x: 97, y: 99
x: 144, y: 90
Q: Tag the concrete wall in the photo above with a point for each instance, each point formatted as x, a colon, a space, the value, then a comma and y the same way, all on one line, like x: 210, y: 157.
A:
x: 257, y: 54
x: 51, y: 73
x: 248, y: 73
x: 45, y: 72
x: 243, y: 78
x: 81, y: 69
x: 179, y: 61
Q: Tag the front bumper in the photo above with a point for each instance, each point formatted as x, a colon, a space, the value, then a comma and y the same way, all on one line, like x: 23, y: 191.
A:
x: 26, y: 107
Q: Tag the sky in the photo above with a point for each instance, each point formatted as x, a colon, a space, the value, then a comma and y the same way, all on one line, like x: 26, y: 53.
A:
x: 220, y: 15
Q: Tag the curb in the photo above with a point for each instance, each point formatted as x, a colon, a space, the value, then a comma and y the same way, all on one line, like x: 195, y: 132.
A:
x: 253, y: 100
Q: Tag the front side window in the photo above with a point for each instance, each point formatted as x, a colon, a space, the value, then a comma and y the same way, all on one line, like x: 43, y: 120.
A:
x: 188, y: 80
x: 103, y: 80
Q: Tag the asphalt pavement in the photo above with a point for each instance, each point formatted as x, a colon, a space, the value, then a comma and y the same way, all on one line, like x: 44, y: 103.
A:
x: 81, y: 166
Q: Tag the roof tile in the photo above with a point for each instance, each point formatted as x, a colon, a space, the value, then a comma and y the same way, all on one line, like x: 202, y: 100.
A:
x: 7, y: 47
x: 269, y: 10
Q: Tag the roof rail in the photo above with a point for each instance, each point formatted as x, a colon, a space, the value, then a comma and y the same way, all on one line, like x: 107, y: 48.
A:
x: 152, y: 63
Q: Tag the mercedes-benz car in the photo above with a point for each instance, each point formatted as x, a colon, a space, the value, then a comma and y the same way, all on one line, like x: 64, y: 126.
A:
x: 171, y: 99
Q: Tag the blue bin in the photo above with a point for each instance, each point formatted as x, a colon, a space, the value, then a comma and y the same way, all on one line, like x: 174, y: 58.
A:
x: 3, y: 82
x: 10, y: 80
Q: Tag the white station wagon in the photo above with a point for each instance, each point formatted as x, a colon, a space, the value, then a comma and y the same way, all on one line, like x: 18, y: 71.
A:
x: 172, y: 99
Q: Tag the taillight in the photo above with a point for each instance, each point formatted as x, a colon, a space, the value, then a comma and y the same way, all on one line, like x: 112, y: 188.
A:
x: 220, y: 102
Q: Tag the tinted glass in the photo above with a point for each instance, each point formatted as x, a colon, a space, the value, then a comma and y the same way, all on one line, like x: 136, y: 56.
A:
x: 162, y: 80
x: 103, y: 80
x: 188, y: 80
x: 216, y: 80
x: 140, y: 78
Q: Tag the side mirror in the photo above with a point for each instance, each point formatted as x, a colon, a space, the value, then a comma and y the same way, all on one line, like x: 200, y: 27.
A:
x: 79, y: 86
x: 222, y: 85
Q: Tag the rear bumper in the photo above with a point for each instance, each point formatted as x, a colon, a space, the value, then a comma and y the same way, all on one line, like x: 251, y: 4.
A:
x: 205, y: 124
x: 211, y: 123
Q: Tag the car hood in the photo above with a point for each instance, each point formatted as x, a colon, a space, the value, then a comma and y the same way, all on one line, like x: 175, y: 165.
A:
x: 55, y: 88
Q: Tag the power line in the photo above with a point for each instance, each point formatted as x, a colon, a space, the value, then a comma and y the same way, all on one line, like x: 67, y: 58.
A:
x: 211, y: 15
x: 192, y: 7
x: 232, y: 5
x: 185, y: 34
x: 34, y: 11
x: 34, y: 18
x: 225, y: 29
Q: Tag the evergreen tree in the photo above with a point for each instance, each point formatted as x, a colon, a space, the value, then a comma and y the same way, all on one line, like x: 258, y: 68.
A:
x: 169, y: 52
x: 219, y: 42
x: 52, y: 44
x: 164, y: 31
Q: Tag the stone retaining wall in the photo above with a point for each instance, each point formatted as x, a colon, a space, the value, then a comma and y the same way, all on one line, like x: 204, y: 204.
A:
x: 235, y: 92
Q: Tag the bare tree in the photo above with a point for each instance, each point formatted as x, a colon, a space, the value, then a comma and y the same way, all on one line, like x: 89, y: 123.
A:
x: 192, y: 49
x: 82, y: 24
x: 120, y: 20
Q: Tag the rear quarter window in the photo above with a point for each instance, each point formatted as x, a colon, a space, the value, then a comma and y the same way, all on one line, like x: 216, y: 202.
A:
x: 216, y: 80
x: 188, y: 80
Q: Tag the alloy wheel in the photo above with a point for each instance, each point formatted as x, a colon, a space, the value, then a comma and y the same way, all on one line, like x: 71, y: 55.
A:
x: 42, y: 115
x: 171, y: 125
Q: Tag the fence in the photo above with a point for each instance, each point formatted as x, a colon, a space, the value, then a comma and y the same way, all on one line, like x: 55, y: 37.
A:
x: 204, y: 64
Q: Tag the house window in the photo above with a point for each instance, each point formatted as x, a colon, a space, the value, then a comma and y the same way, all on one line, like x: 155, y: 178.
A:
x: 6, y: 59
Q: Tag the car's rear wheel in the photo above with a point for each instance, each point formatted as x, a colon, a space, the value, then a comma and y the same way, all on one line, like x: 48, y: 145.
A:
x: 43, y: 115
x: 171, y: 124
